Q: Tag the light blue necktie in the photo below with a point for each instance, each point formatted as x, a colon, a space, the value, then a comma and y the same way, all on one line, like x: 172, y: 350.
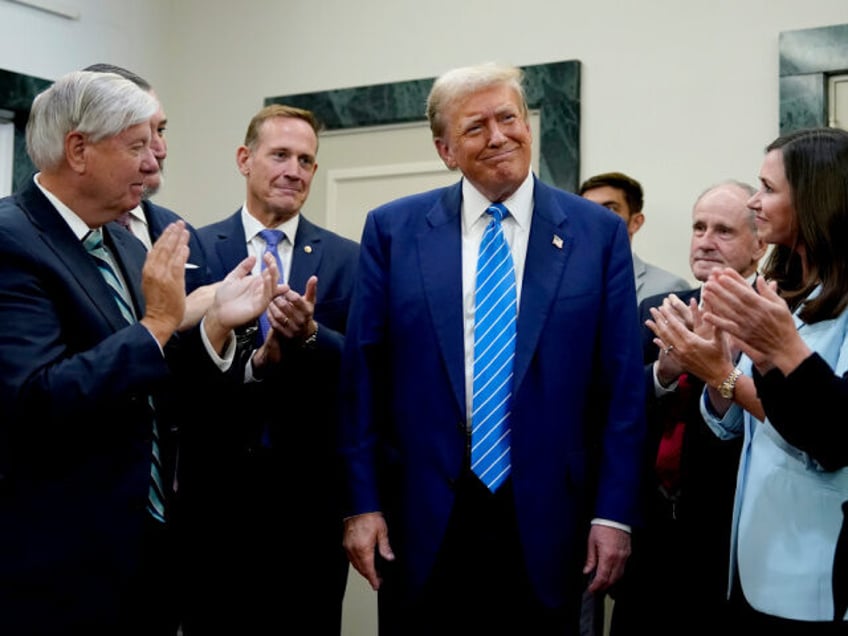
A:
x: 93, y: 243
x: 272, y: 239
x: 494, y: 354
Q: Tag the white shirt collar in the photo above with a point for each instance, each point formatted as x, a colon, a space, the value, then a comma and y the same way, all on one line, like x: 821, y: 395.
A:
x: 520, y: 204
x: 78, y: 226
x: 252, y: 226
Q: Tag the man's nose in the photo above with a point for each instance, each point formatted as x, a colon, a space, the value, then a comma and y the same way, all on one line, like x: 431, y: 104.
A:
x: 149, y: 164
x: 158, y: 146
x: 496, y: 135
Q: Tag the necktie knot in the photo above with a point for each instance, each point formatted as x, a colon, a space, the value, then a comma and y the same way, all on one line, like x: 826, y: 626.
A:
x: 93, y: 241
x: 498, y: 211
x: 272, y: 238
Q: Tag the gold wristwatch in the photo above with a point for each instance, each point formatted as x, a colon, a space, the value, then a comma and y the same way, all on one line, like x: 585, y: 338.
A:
x: 728, y: 386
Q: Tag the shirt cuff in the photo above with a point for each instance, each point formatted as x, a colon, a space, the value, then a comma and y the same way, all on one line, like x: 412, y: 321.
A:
x: 659, y: 389
x: 611, y: 524
x: 222, y: 362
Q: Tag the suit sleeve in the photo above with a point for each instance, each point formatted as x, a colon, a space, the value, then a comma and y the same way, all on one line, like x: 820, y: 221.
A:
x: 804, y: 407
x: 364, y: 372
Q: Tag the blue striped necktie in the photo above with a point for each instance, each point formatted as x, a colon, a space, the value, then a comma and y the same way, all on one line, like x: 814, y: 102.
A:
x: 494, y: 354
x: 93, y: 243
x: 272, y: 239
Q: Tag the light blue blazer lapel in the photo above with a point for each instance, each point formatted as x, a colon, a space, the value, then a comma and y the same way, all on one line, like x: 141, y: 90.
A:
x: 439, y: 246
x: 548, y: 248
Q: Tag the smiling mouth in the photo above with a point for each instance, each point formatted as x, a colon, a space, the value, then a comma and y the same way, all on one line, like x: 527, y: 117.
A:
x: 501, y: 154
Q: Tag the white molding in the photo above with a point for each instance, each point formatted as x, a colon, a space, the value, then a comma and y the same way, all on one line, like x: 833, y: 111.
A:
x: 56, y: 8
x: 7, y: 156
x: 838, y: 102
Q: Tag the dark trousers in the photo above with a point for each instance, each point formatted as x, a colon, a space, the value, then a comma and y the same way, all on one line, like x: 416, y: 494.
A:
x: 271, y: 561
x: 479, y: 584
x: 154, y: 594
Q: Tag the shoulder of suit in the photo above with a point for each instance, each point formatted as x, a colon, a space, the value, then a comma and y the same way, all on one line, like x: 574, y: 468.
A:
x: 229, y: 223
x: 309, y: 231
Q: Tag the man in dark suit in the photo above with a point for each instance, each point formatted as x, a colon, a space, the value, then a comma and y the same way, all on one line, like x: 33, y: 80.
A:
x: 449, y: 553
x: 277, y: 557
x: 148, y: 220
x: 679, y: 566
x: 81, y: 500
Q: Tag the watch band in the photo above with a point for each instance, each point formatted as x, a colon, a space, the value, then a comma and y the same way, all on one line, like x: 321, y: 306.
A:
x: 728, y: 386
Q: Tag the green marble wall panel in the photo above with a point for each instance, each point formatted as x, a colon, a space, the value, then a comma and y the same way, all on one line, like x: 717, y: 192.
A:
x: 553, y: 89
x: 808, y: 57
x: 16, y: 94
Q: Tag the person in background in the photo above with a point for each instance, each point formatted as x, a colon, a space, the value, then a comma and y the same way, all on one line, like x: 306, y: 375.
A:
x: 277, y: 432
x: 484, y: 500
x: 678, y: 570
x: 792, y: 330
x: 147, y: 220
x: 623, y: 195
x: 90, y: 321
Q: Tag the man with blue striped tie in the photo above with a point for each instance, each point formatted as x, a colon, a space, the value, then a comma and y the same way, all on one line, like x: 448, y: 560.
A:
x: 90, y: 321
x: 493, y: 403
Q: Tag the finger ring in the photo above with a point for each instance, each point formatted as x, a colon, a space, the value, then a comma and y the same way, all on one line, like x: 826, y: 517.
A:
x: 665, y: 321
x: 285, y: 321
x: 668, y: 349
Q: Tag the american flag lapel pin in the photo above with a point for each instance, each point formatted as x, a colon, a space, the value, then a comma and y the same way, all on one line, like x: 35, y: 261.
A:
x: 557, y: 241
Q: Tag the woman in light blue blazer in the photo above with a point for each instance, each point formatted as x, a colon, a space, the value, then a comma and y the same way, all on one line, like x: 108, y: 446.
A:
x: 787, y: 575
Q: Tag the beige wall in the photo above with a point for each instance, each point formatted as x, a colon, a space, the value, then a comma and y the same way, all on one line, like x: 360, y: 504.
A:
x: 678, y: 94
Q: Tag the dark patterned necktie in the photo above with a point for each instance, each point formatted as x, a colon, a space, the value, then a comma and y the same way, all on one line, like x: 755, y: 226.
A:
x: 93, y: 243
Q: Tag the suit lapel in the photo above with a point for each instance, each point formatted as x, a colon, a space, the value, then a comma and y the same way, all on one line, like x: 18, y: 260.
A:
x: 306, y: 255
x: 441, y: 272
x: 65, y: 247
x: 231, y: 245
x: 548, y: 248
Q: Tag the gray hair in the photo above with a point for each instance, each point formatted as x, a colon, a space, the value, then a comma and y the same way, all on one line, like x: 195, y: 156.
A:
x: 99, y: 105
x: 460, y: 82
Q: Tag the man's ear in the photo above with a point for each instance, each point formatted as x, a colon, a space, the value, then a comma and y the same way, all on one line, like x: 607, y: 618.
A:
x: 242, y: 159
x: 76, y: 146
x: 635, y: 222
x: 445, y: 153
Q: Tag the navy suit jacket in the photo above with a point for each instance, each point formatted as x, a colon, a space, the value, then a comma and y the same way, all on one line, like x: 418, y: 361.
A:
x: 277, y: 439
x: 75, y: 422
x: 578, y: 402
x: 309, y: 376
x: 158, y: 218
x: 686, y: 542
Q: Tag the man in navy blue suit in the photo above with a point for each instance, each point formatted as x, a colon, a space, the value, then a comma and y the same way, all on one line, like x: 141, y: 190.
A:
x: 80, y: 376
x: 273, y: 514
x: 447, y: 554
x: 148, y: 220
